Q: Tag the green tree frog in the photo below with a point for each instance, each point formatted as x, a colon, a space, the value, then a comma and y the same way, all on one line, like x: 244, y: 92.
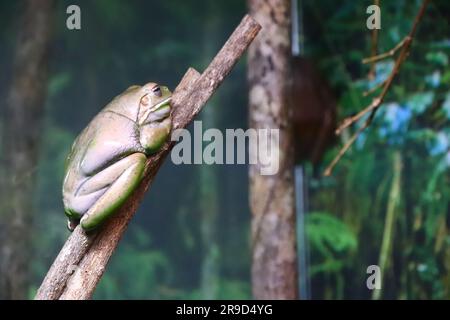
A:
x: 106, y: 162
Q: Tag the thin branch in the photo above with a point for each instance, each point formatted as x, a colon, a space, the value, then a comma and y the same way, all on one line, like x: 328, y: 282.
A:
x: 350, y: 120
x: 344, y: 149
x: 375, y: 88
x: 83, y: 259
x: 385, y: 55
x: 389, y: 222
x: 405, y: 45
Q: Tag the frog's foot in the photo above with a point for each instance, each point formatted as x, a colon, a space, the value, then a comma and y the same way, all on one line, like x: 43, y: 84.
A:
x: 72, y: 224
x: 123, y: 177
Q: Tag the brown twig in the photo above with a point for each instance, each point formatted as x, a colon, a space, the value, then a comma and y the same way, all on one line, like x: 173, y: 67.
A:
x: 83, y: 259
x: 405, y: 45
x: 344, y: 149
x: 350, y: 120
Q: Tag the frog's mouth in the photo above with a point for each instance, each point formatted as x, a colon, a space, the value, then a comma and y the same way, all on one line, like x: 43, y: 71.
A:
x: 165, y: 104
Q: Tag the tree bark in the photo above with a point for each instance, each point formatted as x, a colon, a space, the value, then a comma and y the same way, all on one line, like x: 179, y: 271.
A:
x: 272, y: 198
x: 75, y: 273
x: 21, y: 132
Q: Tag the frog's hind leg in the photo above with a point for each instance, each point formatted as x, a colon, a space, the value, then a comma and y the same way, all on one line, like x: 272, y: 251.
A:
x: 127, y: 174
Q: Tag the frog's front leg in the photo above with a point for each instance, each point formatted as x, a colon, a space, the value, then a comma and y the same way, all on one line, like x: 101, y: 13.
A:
x: 119, y: 180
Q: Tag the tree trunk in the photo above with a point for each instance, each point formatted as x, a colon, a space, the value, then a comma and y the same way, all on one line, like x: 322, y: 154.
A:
x: 21, y: 132
x: 272, y: 199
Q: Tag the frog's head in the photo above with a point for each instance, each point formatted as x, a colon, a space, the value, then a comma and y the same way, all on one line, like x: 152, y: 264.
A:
x: 154, y: 104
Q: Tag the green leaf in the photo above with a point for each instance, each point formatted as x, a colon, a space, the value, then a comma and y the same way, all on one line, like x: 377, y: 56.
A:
x: 329, y: 235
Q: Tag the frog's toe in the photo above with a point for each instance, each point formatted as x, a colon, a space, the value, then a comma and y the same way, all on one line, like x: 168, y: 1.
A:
x: 83, y: 219
x: 88, y: 223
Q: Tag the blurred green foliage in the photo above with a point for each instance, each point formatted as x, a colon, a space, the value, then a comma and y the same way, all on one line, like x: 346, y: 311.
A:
x: 329, y: 237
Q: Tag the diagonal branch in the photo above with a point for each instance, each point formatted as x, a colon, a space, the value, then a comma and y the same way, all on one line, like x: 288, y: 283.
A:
x: 373, y: 107
x: 381, y: 56
x: 374, y: 49
x: 83, y: 259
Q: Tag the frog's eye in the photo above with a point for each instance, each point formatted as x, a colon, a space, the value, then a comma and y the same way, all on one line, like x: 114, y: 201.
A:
x: 157, y: 91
